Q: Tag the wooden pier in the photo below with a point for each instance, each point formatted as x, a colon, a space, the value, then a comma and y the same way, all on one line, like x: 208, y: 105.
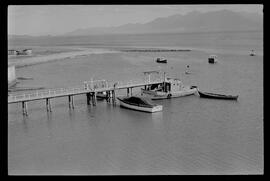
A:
x: 89, y: 88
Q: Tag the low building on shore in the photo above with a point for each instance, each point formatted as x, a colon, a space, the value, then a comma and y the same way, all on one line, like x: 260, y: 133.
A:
x: 11, y: 75
x: 13, y: 52
x: 20, y: 52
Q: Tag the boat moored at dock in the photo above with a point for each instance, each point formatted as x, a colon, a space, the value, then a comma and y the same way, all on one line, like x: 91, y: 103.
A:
x: 217, y: 96
x: 170, y: 88
x: 139, y: 104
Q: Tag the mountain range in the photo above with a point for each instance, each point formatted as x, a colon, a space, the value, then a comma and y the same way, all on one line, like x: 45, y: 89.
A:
x: 223, y: 20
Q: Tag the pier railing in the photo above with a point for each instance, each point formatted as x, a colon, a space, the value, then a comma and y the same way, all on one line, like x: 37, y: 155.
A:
x: 88, y: 86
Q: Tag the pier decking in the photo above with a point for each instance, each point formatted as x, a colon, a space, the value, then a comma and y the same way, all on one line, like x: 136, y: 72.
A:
x: 90, y: 88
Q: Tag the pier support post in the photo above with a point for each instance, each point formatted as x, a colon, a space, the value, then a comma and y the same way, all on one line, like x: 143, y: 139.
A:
x: 48, y: 105
x: 24, y: 108
x: 70, y: 102
x: 108, y: 96
x: 113, y: 97
x: 88, y: 97
x: 131, y: 91
x: 94, y: 98
x: 128, y: 92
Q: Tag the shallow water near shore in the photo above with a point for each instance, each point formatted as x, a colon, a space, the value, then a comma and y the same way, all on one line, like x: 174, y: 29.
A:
x: 191, y: 135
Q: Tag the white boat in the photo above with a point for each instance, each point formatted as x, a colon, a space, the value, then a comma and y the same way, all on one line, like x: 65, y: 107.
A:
x: 139, y: 104
x: 170, y: 88
x: 252, y: 53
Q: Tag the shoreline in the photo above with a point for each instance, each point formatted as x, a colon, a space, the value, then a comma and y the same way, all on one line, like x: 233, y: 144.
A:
x: 29, y: 61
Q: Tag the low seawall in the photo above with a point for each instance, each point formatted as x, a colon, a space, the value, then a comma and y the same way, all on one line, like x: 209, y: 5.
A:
x: 156, y: 50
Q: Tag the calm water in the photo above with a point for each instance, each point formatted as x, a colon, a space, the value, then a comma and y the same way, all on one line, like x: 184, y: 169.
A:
x: 191, y: 136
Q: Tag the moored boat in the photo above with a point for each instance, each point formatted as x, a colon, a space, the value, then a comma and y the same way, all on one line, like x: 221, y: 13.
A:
x: 212, y: 59
x: 139, y: 104
x: 252, y: 53
x: 217, y: 96
x: 161, y: 60
x: 170, y: 88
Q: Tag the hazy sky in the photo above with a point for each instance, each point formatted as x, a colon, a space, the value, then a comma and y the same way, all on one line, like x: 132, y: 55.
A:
x: 58, y: 19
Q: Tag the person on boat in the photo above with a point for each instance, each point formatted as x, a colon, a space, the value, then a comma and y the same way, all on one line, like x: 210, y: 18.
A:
x: 187, y: 70
x: 114, y: 85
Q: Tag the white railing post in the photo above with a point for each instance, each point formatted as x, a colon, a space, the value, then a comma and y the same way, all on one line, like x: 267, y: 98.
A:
x: 92, y: 83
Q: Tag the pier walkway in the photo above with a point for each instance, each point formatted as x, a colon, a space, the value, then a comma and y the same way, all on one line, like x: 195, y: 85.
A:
x: 88, y: 87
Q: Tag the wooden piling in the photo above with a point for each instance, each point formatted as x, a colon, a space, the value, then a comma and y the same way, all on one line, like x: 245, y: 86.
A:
x: 24, y: 108
x: 94, y: 99
x: 70, y: 102
x: 88, y: 97
x: 113, y: 97
x: 48, y: 105
x: 108, y: 96
x: 127, y: 91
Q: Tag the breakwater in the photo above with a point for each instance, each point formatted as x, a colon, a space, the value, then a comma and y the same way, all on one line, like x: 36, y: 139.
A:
x: 156, y: 50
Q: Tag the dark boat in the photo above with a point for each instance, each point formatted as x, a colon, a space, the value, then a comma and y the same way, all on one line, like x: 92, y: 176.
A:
x: 161, y: 60
x: 212, y: 59
x: 217, y: 96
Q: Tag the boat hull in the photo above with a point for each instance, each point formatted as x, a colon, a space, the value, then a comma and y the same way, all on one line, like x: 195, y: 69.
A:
x: 217, y: 96
x: 156, y: 95
x: 156, y: 108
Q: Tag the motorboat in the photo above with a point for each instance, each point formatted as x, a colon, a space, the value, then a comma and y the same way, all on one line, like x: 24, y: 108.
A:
x: 139, y: 104
x: 170, y: 88
x: 217, y: 96
x: 212, y: 59
x: 161, y: 60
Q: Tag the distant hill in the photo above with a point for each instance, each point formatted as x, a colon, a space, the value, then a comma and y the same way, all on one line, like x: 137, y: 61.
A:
x: 223, y: 20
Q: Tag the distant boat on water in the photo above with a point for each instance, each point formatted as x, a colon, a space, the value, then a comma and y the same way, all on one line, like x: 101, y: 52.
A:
x: 161, y: 60
x: 252, y: 53
x: 212, y: 59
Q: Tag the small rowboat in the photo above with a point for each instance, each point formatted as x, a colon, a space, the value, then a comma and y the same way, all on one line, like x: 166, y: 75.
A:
x: 161, y: 60
x: 217, y: 96
x: 139, y: 104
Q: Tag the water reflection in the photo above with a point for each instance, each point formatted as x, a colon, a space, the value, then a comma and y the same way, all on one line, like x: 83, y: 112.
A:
x: 157, y: 119
x: 49, y: 123
x: 25, y: 124
x: 49, y: 120
x: 91, y: 118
